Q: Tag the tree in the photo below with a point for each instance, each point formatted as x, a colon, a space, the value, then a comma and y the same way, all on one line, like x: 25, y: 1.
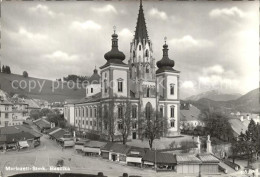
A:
x: 25, y: 74
x: 151, y: 125
x: 125, y: 120
x: 35, y: 114
x: 7, y: 70
x: 3, y: 69
x: 235, y: 148
x: 108, y: 120
x: 218, y: 126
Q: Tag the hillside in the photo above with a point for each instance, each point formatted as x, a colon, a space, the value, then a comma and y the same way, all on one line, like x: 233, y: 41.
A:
x: 214, y: 95
x: 48, y: 91
x: 246, y: 103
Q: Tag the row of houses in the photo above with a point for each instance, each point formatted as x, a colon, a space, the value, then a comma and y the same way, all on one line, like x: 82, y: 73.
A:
x: 18, y: 137
x: 61, y: 136
x: 146, y: 158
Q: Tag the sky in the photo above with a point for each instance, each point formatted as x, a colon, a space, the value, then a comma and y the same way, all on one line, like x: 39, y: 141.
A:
x: 215, y: 45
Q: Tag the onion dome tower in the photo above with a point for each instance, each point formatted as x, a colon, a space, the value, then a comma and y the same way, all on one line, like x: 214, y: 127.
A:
x: 95, y: 78
x: 114, y: 56
x: 165, y: 64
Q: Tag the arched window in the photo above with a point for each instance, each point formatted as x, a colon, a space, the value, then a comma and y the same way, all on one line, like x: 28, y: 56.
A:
x: 172, y: 89
x: 105, y: 85
x: 148, y: 92
x: 148, y: 110
x: 147, y: 69
x: 133, y: 54
x: 172, y: 111
x: 86, y: 111
x: 140, y: 47
x: 146, y: 53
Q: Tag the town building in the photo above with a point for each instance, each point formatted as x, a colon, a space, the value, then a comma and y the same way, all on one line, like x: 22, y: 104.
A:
x: 136, y: 86
x: 12, y: 112
x: 190, y: 117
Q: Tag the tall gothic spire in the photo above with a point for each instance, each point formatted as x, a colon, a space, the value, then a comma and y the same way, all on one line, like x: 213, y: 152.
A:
x: 141, y: 30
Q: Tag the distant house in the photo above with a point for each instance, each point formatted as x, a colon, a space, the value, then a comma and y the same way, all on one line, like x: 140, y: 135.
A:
x: 188, y: 164
x: 92, y: 148
x: 134, y: 156
x: 209, y: 164
x: 190, y: 116
x: 191, y: 164
x: 19, y: 136
x: 12, y: 112
x: 115, y: 152
x: 163, y: 161
x: 42, y: 124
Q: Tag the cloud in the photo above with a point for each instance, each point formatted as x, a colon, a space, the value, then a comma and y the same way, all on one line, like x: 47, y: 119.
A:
x: 154, y: 12
x: 87, y: 25
x: 216, y: 69
x: 42, y: 9
x: 231, y: 12
x: 187, y: 85
x: 188, y: 42
x: 23, y: 32
x: 126, y: 33
x: 106, y: 8
x: 61, y: 56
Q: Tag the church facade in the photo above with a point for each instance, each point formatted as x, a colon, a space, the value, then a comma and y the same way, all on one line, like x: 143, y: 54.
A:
x: 137, y: 87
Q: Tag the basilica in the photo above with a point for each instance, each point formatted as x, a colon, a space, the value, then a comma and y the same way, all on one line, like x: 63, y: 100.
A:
x: 139, y: 85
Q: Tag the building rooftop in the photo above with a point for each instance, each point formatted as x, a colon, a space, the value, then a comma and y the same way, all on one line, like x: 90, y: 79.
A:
x: 208, y: 158
x: 189, y: 114
x: 159, y: 157
x: 188, y: 159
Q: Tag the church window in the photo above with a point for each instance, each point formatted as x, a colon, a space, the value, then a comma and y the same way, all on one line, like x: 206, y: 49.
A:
x: 120, y: 126
x: 172, y: 123
x: 147, y: 53
x: 134, y: 108
x: 95, y: 112
x: 83, y: 112
x: 172, y: 111
x: 105, y: 85
x: 140, y: 47
x: 120, y: 85
x: 148, y: 92
x: 105, y: 125
x: 134, y: 125
x: 91, y: 90
x: 86, y: 112
x: 172, y: 89
x: 90, y: 112
x: 147, y: 69
x: 120, y: 112
x: 161, y: 111
x: 133, y: 53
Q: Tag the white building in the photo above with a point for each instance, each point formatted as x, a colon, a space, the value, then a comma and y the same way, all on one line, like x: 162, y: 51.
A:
x: 148, y: 88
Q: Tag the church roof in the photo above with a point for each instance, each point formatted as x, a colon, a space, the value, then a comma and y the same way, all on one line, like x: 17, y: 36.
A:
x: 141, y: 30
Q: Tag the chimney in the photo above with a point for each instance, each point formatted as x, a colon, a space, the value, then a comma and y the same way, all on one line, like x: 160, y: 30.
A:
x: 242, y: 118
x: 248, y: 117
x: 209, y: 147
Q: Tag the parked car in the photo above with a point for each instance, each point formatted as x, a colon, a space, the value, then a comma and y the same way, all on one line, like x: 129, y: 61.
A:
x: 60, y: 163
